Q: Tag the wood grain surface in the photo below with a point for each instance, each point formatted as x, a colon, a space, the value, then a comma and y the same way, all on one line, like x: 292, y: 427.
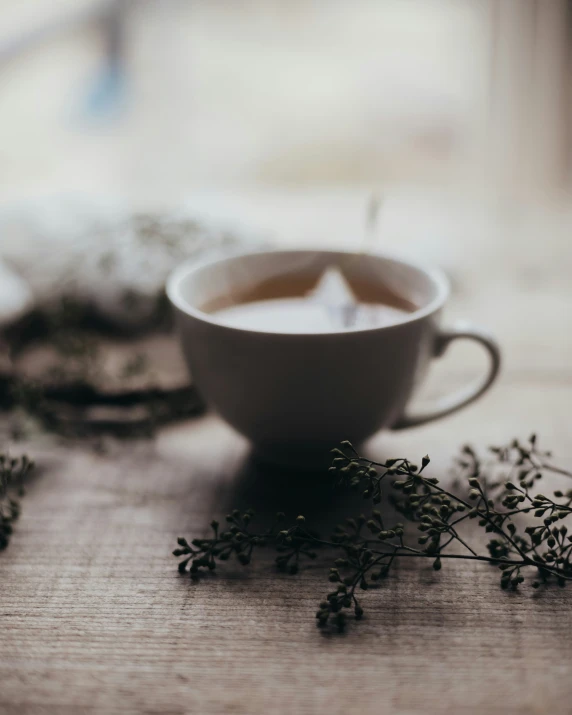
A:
x: 94, y: 617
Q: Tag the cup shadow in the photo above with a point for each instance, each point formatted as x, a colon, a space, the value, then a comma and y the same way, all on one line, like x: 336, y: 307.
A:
x: 269, y: 488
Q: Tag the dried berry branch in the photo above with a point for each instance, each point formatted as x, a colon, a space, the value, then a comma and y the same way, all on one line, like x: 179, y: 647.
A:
x: 497, y: 495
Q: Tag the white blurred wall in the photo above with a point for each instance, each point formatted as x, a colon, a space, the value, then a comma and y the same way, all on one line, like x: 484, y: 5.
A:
x: 256, y: 92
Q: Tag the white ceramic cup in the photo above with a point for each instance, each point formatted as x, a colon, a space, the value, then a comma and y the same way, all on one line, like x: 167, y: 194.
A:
x: 286, y: 391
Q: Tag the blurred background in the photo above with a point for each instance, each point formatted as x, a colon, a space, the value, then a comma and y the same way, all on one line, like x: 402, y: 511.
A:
x: 155, y: 98
x: 225, y: 121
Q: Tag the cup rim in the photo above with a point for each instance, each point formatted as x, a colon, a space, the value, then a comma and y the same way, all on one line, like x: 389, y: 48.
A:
x: 187, y: 268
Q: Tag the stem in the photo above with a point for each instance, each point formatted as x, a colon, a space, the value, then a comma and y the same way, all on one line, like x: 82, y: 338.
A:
x: 456, y: 536
x: 409, y: 552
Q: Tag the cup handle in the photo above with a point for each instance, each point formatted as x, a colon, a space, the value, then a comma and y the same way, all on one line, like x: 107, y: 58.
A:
x: 465, y: 395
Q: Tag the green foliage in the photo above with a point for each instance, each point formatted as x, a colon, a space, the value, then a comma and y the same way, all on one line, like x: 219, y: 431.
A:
x: 12, y: 474
x: 497, y: 495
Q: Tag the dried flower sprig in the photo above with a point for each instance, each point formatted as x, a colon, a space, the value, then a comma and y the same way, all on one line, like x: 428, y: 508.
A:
x: 497, y: 495
x: 13, y: 472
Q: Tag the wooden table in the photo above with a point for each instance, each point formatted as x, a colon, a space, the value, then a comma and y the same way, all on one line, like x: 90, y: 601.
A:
x: 95, y: 618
